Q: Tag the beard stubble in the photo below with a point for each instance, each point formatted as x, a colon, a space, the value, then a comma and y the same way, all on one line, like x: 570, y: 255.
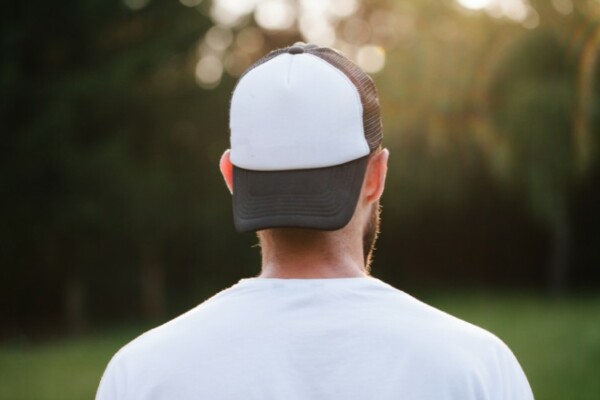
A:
x: 370, y: 235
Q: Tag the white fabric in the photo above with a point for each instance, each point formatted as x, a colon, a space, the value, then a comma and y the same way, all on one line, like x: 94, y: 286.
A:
x: 294, y: 112
x: 353, y: 338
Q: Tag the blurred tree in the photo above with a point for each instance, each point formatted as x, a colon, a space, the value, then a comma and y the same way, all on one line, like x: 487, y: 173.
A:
x: 542, y: 104
x: 83, y: 84
x: 534, y: 100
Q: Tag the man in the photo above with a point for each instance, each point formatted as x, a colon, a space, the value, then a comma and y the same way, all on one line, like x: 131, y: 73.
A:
x: 306, y: 170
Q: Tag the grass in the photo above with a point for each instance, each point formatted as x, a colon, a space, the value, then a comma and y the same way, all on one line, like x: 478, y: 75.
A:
x: 557, y: 343
x: 61, y: 370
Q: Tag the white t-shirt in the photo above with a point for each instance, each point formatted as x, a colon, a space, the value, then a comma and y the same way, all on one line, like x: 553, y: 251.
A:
x: 348, y: 338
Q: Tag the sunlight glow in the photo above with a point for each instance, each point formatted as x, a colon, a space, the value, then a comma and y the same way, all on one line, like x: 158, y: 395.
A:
x: 532, y: 20
x: 275, y: 14
x: 564, y: 7
x: 356, y: 31
x: 516, y: 10
x: 250, y: 40
x: 218, y: 37
x: 387, y: 28
x: 317, y: 30
x: 342, y: 8
x: 231, y: 12
x: 314, y: 22
x: 371, y: 58
x: 233, y: 43
x: 475, y: 4
x: 315, y: 8
x: 209, y: 71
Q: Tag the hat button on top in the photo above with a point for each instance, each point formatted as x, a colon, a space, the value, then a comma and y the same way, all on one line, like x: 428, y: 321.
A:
x: 296, y: 49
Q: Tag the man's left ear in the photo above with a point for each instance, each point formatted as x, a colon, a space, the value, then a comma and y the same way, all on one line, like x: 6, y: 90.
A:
x: 375, y: 176
x: 226, y: 168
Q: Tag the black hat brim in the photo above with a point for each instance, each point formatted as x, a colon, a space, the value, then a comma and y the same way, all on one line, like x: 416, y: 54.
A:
x: 320, y: 198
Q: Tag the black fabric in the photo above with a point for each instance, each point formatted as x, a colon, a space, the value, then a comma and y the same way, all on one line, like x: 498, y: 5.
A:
x: 321, y: 198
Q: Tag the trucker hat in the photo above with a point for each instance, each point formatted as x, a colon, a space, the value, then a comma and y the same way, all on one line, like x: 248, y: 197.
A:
x: 303, y: 120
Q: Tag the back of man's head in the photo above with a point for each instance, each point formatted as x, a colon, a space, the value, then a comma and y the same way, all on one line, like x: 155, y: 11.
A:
x: 304, y: 120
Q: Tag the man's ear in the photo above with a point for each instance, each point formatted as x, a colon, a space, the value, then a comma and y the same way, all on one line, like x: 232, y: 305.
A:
x: 375, y: 176
x: 227, y: 170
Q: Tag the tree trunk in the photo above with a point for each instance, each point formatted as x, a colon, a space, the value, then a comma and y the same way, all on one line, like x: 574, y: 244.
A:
x: 74, y: 303
x: 152, y: 282
x: 559, y: 262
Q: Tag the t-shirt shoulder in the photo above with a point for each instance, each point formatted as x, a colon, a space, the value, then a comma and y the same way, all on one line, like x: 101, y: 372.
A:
x: 168, y: 331
x: 386, y: 323
x: 141, y: 355
x: 470, y: 354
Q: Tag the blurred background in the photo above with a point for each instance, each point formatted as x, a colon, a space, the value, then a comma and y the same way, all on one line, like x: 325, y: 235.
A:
x: 114, y: 114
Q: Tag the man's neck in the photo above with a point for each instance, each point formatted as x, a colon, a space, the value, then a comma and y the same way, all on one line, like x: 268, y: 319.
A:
x: 295, y: 259
x: 308, y: 270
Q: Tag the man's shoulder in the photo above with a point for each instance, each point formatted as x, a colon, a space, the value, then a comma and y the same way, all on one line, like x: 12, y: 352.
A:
x: 153, y: 354
x: 175, y: 332
x: 432, y: 330
x: 454, y: 349
x: 276, y: 323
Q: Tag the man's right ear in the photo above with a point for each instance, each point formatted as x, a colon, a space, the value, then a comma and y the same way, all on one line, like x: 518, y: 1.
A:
x: 227, y: 170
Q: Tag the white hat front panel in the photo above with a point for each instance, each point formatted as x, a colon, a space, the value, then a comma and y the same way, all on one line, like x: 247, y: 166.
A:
x: 295, y: 112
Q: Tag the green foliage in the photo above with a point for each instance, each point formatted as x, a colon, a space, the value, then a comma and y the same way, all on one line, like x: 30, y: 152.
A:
x: 69, y: 369
x: 540, y: 130
x: 106, y: 142
x: 534, y: 100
